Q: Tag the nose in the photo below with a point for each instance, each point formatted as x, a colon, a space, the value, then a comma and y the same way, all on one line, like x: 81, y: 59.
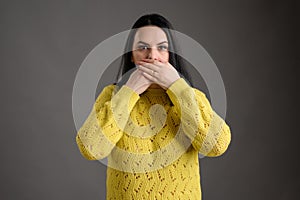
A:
x: 153, y: 53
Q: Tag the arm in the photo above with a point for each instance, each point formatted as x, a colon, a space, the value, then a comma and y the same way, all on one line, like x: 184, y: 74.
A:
x: 209, y: 133
x: 105, y: 124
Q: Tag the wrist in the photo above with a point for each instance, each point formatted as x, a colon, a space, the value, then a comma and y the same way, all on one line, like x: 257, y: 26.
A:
x: 173, y: 82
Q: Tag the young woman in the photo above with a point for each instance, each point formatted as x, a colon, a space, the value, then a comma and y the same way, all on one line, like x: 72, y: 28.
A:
x: 152, y: 128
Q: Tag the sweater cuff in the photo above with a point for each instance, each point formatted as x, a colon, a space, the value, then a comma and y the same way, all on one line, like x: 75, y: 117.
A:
x: 176, y: 89
x: 126, y: 93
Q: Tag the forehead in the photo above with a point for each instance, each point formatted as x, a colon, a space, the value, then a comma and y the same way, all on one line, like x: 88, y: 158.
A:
x: 150, y: 34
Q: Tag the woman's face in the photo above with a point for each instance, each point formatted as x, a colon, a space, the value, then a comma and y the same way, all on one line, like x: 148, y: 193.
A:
x: 150, y: 42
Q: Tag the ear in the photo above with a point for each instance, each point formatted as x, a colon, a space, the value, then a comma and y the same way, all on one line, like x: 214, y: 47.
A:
x: 131, y: 58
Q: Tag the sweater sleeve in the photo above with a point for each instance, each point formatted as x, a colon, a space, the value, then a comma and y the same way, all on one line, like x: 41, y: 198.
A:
x: 209, y: 133
x: 105, y: 124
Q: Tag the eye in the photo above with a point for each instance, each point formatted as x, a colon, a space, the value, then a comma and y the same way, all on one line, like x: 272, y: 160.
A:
x: 142, y: 47
x: 163, y: 47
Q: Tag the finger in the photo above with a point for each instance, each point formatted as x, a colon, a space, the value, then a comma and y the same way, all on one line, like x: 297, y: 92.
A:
x: 151, y: 72
x: 147, y: 60
x: 150, y: 77
x: 159, y: 63
x: 151, y: 59
x: 146, y: 70
x: 150, y: 66
x: 154, y: 61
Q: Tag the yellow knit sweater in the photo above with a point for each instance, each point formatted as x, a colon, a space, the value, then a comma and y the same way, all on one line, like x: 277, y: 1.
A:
x: 152, y: 146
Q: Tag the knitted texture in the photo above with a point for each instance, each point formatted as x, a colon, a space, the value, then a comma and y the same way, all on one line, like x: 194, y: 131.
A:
x: 152, y: 140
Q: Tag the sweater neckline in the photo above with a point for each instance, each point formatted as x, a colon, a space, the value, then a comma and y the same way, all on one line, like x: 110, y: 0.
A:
x: 155, y: 91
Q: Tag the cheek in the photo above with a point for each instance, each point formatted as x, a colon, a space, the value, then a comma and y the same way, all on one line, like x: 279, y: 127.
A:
x: 138, y: 55
x: 164, y: 57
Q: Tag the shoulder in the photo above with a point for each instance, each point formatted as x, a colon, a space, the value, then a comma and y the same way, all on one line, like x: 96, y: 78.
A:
x: 107, y: 92
x: 199, y: 93
x: 202, y: 98
x: 110, y: 87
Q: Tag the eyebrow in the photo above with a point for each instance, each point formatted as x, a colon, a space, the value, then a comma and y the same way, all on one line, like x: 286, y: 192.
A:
x: 148, y: 44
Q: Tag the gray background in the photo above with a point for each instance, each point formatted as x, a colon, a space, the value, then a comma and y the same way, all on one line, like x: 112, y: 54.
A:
x: 43, y: 44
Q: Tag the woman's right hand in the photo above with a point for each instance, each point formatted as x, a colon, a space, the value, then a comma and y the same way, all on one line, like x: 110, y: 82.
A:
x: 138, y: 82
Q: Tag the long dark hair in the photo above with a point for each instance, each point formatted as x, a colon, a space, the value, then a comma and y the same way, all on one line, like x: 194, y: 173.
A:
x: 159, y: 21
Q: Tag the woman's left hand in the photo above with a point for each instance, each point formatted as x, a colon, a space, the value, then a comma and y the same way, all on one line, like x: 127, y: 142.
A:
x: 162, y: 73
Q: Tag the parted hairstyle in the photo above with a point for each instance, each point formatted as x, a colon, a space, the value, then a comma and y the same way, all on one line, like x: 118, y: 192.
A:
x: 161, y: 22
